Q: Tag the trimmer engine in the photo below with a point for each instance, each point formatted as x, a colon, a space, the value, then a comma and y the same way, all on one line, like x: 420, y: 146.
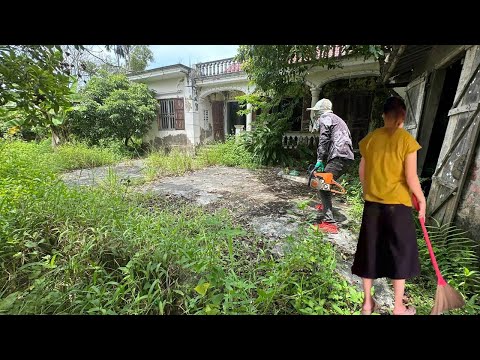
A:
x: 323, y: 181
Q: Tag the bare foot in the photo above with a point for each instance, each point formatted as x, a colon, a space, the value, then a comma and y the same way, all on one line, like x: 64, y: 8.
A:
x: 404, y: 310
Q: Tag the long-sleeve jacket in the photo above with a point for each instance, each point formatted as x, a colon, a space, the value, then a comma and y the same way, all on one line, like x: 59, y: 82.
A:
x: 335, y: 138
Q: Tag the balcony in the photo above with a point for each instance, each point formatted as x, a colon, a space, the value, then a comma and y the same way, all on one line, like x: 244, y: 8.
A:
x: 292, y: 139
x: 218, y: 68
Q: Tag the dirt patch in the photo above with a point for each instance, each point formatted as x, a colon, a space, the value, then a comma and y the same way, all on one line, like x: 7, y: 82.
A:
x: 130, y: 170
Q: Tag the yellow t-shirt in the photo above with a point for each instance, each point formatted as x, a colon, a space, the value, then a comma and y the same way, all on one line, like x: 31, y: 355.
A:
x: 384, y: 155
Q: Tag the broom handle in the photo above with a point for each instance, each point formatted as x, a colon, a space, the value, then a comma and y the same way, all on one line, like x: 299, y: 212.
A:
x: 441, y: 280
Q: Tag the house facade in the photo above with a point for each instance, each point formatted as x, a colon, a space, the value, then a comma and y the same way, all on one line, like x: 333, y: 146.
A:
x: 198, y: 104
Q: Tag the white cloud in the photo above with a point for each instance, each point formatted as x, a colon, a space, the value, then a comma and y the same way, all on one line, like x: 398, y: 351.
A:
x: 189, y: 54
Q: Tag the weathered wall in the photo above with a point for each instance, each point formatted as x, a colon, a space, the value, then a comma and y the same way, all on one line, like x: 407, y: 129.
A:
x: 168, y: 88
x: 468, y: 213
x: 351, y: 68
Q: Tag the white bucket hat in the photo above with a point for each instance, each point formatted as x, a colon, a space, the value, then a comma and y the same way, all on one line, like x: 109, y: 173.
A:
x: 323, y: 106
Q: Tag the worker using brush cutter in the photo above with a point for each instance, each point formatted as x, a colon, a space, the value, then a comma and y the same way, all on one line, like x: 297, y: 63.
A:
x: 335, y: 150
x: 387, y: 244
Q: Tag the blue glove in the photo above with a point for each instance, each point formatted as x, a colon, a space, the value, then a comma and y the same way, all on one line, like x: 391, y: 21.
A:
x: 319, y: 166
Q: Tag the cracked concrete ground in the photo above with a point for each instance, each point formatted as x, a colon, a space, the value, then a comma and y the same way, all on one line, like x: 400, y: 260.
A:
x: 263, y: 200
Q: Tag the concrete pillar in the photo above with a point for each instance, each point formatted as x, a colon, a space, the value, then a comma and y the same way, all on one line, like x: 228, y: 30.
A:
x: 315, y: 97
x: 238, y: 130
x: 249, y: 117
x: 192, y: 125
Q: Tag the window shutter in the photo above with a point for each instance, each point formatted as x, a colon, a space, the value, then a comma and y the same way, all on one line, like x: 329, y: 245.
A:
x: 179, y: 114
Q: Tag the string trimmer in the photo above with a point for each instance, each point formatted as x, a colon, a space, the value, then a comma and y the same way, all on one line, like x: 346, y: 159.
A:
x: 324, y: 181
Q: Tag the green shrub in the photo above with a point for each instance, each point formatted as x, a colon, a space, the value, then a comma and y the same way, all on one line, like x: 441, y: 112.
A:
x: 232, y: 152
x: 112, y: 107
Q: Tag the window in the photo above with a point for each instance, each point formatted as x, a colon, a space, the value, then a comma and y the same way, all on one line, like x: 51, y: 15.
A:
x: 171, y: 115
x: 205, y: 118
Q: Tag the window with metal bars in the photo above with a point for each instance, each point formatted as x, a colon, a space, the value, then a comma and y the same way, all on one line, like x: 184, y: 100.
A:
x: 166, y: 119
x: 205, y: 118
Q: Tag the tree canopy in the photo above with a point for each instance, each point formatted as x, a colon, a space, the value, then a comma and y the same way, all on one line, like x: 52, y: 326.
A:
x: 280, y: 69
x: 112, y: 107
x: 35, y: 80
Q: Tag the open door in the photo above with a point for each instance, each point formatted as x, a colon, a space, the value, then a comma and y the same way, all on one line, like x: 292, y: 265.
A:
x: 460, y: 139
x: 415, y: 94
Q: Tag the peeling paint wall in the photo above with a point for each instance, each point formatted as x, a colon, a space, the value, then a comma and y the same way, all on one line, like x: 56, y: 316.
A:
x: 168, y: 88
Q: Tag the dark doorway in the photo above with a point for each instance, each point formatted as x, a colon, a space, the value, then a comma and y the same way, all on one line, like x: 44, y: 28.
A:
x: 452, y: 76
x: 354, y: 109
x: 233, y: 118
x: 217, y: 117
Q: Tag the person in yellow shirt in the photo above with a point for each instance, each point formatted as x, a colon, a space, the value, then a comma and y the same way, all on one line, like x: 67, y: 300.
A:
x: 387, y: 244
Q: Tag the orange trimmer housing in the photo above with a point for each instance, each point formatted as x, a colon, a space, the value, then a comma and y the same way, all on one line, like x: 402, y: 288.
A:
x: 325, y: 182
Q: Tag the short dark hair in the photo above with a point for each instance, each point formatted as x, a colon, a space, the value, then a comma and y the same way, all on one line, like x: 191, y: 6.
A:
x: 394, y: 105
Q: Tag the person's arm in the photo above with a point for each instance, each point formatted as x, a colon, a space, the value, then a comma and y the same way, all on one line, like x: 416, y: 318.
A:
x: 361, y: 173
x: 414, y: 183
x: 324, y: 141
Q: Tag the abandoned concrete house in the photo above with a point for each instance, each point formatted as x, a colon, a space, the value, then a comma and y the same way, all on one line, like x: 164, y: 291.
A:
x: 440, y: 84
x: 199, y: 104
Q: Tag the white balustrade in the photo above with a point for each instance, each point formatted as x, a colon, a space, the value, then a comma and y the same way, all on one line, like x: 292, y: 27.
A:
x: 219, y: 67
x: 292, y: 139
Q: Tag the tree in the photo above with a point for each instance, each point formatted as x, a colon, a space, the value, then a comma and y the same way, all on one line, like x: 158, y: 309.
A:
x: 140, y: 57
x: 276, y: 69
x: 279, y: 72
x: 136, y: 57
x: 112, y: 107
x: 35, y: 80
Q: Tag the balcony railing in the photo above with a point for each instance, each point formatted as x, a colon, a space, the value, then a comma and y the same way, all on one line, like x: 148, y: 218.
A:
x: 218, y: 67
x: 292, y: 139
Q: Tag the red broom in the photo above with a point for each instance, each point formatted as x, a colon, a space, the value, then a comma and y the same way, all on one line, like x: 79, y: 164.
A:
x: 446, y: 297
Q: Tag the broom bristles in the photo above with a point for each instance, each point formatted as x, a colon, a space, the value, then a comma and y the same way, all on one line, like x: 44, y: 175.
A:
x: 446, y: 298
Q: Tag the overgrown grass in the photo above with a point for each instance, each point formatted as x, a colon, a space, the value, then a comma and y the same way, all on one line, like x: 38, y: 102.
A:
x: 73, y: 156
x: 70, y: 156
x: 107, y: 250
x: 178, y: 162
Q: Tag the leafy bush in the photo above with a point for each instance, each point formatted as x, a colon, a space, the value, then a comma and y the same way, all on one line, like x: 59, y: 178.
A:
x: 232, y: 152
x: 112, y: 107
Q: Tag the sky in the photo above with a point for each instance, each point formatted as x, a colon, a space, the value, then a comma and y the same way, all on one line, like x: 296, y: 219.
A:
x: 189, y: 54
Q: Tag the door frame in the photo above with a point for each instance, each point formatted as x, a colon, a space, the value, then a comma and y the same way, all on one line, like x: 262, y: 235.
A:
x: 444, y: 196
x: 214, y: 123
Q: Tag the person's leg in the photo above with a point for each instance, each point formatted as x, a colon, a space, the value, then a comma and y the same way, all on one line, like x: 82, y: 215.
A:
x: 337, y: 167
x: 398, y: 290
x: 326, y: 197
x: 368, y: 303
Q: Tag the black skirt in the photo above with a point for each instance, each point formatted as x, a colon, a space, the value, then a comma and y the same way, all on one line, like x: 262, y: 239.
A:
x: 387, y: 245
